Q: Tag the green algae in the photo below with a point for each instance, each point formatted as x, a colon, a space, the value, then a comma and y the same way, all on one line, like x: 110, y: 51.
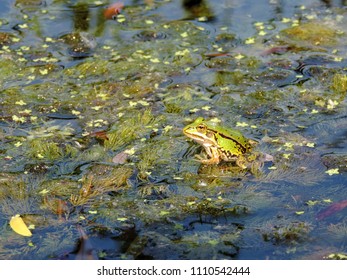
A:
x: 100, y: 180
x: 12, y: 187
x: 293, y: 233
x: 25, y: 3
x: 339, y: 83
x: 43, y: 149
x: 93, y: 67
x: 312, y: 34
x: 10, y: 69
x: 155, y: 155
x: 135, y: 127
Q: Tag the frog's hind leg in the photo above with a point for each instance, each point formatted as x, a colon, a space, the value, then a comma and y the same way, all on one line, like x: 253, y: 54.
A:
x: 241, y: 162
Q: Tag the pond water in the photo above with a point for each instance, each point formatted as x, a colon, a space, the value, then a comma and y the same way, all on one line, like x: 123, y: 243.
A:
x: 93, y: 104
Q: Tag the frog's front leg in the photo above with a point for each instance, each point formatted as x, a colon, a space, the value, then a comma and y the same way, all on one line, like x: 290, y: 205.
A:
x: 212, y: 152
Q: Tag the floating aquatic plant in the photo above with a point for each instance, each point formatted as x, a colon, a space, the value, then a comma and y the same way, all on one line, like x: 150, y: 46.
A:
x: 311, y: 33
x: 43, y: 149
x: 292, y: 233
x: 340, y: 83
x: 100, y: 180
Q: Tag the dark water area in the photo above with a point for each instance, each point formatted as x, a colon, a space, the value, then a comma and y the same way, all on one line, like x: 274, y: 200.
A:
x: 94, y: 100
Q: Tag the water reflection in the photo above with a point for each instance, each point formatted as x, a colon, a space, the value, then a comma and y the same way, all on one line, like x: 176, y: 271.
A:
x: 237, y: 14
x: 330, y: 3
x: 198, y: 9
x: 81, y: 17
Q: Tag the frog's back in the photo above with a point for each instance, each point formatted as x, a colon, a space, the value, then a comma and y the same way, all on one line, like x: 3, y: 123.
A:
x: 231, y: 134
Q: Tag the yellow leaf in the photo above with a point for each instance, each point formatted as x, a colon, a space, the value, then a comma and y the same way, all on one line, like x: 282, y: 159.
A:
x: 285, y: 20
x: 17, y: 224
x: 332, y: 171
x: 129, y: 151
x: 242, y: 124
x: 239, y: 56
x: 312, y: 202
x: 44, y: 191
x: 20, y: 102
x: 249, y: 41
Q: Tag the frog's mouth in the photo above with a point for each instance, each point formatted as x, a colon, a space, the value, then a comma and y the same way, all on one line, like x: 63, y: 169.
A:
x: 201, y: 139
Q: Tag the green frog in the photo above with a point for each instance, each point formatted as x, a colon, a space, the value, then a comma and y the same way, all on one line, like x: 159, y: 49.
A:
x: 220, y: 143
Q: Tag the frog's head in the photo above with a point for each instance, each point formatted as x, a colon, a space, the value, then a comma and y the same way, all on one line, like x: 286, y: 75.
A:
x: 199, y: 132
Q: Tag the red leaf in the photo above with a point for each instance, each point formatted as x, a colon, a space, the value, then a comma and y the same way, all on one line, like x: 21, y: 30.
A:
x: 216, y: 54
x: 276, y: 50
x: 113, y: 10
x: 99, y: 135
x: 120, y: 158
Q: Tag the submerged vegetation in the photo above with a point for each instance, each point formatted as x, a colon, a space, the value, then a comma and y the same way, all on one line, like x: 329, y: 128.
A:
x: 91, y: 142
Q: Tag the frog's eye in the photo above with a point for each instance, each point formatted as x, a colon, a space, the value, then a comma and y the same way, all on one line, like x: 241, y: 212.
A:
x: 201, y: 127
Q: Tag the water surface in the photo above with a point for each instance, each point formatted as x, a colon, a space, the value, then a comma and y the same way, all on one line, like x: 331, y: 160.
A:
x: 93, y: 157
